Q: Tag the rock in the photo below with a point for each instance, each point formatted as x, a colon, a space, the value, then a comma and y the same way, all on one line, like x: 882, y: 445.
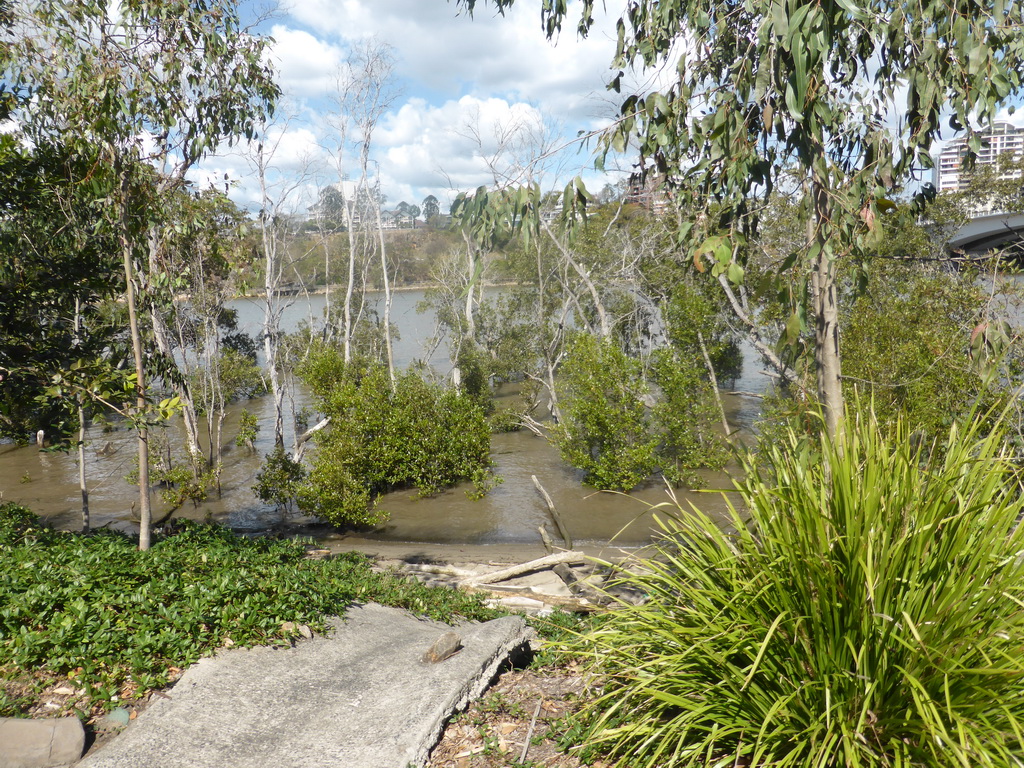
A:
x: 40, y: 743
x: 119, y: 717
x: 446, y: 646
x: 114, y: 720
x: 305, y: 631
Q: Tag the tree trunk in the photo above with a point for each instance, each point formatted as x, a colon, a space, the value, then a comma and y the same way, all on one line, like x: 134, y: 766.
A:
x: 270, y: 331
x: 81, y: 429
x: 145, y: 512
x: 350, y: 284
x: 387, y: 299
x: 81, y: 467
x: 595, y: 296
x: 826, y: 317
x: 472, y: 259
x: 162, y: 335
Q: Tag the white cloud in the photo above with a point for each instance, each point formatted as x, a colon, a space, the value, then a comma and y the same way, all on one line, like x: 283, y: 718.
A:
x: 467, y: 80
x: 1016, y: 119
x: 460, y: 145
x: 488, y: 55
x: 306, y: 65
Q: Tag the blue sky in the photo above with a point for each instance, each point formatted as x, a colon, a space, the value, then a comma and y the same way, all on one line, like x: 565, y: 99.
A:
x: 463, y: 84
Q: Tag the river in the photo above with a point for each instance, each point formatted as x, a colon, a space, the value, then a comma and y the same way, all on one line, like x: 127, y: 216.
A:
x: 509, y: 514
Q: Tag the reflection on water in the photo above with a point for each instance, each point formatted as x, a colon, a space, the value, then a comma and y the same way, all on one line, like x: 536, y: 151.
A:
x: 511, y: 513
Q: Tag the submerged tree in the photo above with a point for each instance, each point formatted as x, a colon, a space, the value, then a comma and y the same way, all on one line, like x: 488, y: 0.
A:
x: 364, y: 92
x: 770, y: 87
x: 147, y: 81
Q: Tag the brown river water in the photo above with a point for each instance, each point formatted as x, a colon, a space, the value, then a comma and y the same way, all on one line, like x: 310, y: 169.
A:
x: 510, y: 514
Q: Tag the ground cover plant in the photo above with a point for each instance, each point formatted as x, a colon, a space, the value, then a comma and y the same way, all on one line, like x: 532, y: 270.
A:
x: 868, y: 613
x: 112, y: 621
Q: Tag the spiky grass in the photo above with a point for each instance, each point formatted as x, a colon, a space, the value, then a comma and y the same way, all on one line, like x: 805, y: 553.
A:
x: 867, y: 612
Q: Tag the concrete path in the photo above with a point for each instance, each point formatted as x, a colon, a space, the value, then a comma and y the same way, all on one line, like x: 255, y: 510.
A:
x: 364, y: 697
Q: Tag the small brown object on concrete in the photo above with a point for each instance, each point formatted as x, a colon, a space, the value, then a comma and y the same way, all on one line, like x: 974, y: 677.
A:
x: 446, y: 646
x: 43, y: 743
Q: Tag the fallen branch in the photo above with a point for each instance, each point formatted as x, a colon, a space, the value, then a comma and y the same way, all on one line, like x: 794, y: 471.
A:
x: 518, y: 570
x: 301, y: 440
x: 498, y: 592
x: 533, y: 722
x: 562, y: 530
x: 440, y: 570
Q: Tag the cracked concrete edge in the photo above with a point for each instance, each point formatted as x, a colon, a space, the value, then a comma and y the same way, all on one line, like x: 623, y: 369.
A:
x: 517, y: 638
x: 43, y: 743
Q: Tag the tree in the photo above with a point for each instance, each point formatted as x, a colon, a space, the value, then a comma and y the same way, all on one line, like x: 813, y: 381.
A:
x: 205, y: 248
x: 57, y: 270
x: 60, y: 343
x: 277, y: 193
x: 365, y: 91
x: 772, y: 87
x: 178, y: 78
x: 387, y: 433
x: 431, y: 207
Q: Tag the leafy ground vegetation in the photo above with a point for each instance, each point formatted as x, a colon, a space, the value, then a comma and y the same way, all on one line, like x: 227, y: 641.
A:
x: 110, y: 623
x: 865, y: 611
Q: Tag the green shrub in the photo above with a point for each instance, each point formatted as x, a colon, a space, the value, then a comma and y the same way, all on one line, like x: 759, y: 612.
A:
x: 868, y: 613
x: 608, y: 431
x: 279, y: 479
x: 906, y: 343
x: 604, y: 428
x: 684, y: 419
x: 248, y: 430
x: 412, y: 435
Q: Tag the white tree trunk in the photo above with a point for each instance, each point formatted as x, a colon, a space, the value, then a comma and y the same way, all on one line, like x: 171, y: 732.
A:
x: 826, y: 319
x: 145, y: 512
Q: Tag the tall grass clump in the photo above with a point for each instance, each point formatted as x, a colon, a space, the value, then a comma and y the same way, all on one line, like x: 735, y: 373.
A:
x: 864, y: 609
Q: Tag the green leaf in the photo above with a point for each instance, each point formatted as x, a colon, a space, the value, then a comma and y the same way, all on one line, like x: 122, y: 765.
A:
x: 735, y: 274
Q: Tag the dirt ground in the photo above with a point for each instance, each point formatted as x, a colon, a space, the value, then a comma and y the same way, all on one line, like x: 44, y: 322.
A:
x: 517, y: 723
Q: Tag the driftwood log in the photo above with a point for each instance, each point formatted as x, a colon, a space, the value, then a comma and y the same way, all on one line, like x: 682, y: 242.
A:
x: 559, y: 523
x: 529, y: 567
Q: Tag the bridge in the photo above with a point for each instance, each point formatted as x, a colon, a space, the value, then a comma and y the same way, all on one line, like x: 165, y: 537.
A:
x: 987, y: 231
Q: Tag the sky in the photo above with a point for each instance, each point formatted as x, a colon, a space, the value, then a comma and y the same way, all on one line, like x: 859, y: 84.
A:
x: 463, y: 85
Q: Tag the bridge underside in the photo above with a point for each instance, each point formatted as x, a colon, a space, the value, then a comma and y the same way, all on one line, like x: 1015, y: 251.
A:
x: 984, y: 234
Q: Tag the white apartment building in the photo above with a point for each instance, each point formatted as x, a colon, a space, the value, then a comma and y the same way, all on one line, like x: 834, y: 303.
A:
x: 1000, y: 138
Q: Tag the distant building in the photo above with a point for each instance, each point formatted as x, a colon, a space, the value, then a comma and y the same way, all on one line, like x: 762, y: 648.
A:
x: 653, y: 194
x: 997, y: 140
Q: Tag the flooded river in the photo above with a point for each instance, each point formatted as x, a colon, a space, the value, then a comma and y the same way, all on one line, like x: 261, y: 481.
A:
x: 509, y: 514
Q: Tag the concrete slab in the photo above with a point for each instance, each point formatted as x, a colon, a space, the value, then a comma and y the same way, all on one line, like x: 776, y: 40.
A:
x: 44, y: 743
x: 361, y: 698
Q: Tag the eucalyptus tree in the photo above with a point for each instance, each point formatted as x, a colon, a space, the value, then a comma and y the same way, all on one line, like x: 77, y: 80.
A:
x: 849, y: 96
x: 207, y: 250
x: 143, y: 81
x: 279, y: 192
x: 365, y: 90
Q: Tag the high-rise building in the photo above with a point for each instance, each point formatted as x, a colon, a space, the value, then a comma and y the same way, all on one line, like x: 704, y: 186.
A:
x: 997, y: 140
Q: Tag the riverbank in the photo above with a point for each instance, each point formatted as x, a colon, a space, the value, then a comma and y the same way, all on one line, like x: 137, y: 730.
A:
x: 248, y: 591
